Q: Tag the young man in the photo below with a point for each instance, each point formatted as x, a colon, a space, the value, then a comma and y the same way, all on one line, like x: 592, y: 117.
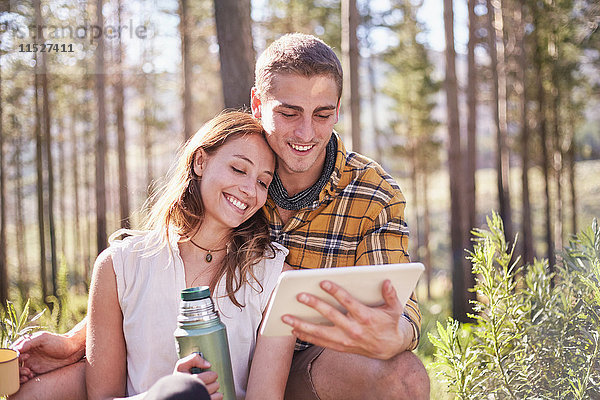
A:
x: 330, y: 208
x: 333, y: 208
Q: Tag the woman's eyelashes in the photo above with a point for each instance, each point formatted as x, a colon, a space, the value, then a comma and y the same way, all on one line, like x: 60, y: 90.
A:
x: 262, y: 183
x: 238, y: 171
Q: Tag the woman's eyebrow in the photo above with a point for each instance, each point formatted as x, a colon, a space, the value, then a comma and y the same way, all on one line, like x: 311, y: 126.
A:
x: 243, y: 157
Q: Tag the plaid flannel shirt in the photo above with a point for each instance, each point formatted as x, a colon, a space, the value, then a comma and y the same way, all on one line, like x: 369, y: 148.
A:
x: 357, y: 220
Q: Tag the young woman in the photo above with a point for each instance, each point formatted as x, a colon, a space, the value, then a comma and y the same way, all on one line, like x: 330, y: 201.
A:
x: 206, y: 227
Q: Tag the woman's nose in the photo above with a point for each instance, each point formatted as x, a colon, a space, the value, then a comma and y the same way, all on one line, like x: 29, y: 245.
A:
x: 248, y: 187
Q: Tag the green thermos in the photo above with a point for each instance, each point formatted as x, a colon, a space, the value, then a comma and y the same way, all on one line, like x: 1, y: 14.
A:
x: 200, y: 330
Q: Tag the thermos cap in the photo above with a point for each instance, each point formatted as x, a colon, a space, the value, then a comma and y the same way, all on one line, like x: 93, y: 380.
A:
x: 195, y: 293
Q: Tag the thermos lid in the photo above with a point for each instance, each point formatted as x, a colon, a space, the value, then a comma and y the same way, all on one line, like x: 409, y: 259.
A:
x: 195, y: 293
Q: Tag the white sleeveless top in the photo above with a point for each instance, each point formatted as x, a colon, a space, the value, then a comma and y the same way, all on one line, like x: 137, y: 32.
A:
x: 149, y: 283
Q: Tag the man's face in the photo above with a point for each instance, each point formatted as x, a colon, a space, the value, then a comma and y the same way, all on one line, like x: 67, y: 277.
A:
x: 298, y: 113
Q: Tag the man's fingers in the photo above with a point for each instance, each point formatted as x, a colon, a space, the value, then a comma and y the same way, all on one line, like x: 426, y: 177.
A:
x: 390, y: 296
x: 324, y: 308
x: 355, y: 308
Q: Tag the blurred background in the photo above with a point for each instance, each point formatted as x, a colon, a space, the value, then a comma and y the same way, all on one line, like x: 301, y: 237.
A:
x: 472, y: 106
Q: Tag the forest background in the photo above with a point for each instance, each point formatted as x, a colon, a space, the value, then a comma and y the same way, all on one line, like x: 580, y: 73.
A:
x: 472, y: 106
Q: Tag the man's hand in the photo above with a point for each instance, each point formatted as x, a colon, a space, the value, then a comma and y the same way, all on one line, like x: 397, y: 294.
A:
x: 44, y: 352
x: 376, y: 332
x: 208, y: 378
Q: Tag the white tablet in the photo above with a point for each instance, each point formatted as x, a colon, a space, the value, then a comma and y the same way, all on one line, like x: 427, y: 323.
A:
x: 364, y: 283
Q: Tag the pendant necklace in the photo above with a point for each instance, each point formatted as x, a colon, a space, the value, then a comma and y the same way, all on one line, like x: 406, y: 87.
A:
x: 208, y: 256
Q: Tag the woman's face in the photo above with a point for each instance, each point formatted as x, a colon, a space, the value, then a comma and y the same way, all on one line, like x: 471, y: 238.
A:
x: 235, y: 179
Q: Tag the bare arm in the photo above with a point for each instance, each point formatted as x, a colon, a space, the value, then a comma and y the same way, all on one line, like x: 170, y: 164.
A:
x: 106, y: 361
x: 270, y: 365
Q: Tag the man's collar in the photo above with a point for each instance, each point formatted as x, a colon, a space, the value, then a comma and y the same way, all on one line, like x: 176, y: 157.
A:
x: 340, y: 163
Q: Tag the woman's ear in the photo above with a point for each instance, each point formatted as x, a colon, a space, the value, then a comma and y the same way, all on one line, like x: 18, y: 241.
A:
x: 199, y: 162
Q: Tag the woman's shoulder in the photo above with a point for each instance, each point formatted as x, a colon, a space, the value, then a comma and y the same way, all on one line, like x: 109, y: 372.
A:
x: 138, y: 240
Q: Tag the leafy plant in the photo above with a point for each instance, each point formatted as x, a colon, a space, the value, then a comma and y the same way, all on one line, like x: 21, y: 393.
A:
x: 14, y: 325
x: 536, y: 334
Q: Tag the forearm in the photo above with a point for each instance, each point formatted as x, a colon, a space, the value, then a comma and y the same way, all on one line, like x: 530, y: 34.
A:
x: 77, y: 336
x: 270, y: 367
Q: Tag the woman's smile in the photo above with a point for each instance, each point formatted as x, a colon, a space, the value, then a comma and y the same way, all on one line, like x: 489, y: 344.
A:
x: 239, y: 205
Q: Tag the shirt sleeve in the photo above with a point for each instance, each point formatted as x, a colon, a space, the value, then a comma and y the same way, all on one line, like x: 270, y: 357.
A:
x: 386, y: 242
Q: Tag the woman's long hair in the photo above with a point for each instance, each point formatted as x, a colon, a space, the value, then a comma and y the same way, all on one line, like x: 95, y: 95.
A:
x: 178, y: 204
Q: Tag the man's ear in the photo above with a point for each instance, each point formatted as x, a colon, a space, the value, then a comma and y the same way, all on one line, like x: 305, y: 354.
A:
x: 199, y: 161
x: 255, y: 103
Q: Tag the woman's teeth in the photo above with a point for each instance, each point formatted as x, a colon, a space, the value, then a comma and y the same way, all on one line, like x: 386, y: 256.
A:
x: 301, y: 148
x: 237, y: 203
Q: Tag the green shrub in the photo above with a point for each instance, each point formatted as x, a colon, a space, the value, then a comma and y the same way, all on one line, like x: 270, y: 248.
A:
x: 13, y: 324
x: 537, y: 333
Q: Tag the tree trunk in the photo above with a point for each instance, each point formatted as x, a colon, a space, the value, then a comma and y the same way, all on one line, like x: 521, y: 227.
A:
x: 571, y: 168
x: 121, y: 136
x: 50, y: 172
x: 49, y: 159
x: 147, y: 132
x: 461, y: 275
x: 426, y: 232
x: 3, y: 265
x: 542, y: 126
x: 471, y: 159
x: 39, y: 166
x: 527, y: 239
x: 558, y: 154
x: 416, y: 228
x: 186, y: 65
x: 100, y: 139
x: 377, y: 137
x: 89, y: 195
x: 498, y: 67
x: 20, y: 225
x: 350, y: 58
x: 234, y: 34
x: 77, y: 242
x: 62, y: 188
x: 572, y: 186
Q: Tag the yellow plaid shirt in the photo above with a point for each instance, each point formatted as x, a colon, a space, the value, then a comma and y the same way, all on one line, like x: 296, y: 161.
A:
x: 357, y: 220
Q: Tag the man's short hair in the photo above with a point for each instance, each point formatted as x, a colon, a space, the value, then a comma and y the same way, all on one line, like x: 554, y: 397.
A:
x: 297, y: 53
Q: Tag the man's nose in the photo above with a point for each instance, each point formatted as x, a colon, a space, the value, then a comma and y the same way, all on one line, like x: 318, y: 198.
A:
x: 305, y: 130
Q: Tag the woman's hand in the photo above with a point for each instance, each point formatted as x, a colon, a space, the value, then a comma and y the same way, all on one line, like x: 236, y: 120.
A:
x: 43, y: 351
x: 208, y: 378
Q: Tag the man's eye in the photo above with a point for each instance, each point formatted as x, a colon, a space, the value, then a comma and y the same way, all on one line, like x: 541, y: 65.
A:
x: 239, y: 171
x: 285, y: 114
x: 263, y: 184
x: 323, y: 116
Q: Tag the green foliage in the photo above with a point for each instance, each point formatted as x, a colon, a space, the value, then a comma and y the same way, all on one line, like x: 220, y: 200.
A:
x: 13, y: 324
x: 537, y: 333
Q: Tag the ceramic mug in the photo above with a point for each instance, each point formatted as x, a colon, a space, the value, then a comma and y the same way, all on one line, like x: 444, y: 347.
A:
x: 9, y: 372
